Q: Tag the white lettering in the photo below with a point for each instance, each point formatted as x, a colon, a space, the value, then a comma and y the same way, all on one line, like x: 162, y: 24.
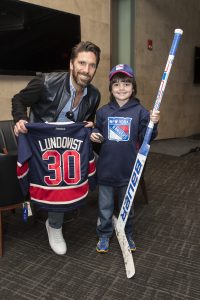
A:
x: 59, y: 142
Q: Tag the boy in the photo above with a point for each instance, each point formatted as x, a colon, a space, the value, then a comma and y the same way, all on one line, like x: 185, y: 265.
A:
x: 120, y: 127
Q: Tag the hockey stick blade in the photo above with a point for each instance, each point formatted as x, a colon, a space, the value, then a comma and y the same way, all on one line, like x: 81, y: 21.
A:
x: 126, y: 251
x: 119, y: 225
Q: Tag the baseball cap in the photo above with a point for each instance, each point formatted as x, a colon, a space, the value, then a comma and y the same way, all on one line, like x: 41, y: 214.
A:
x: 122, y: 68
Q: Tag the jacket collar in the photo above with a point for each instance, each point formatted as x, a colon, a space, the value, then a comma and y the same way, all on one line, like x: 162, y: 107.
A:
x: 67, y: 82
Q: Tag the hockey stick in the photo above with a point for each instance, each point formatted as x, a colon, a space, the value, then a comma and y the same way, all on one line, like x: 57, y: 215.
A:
x: 119, y: 224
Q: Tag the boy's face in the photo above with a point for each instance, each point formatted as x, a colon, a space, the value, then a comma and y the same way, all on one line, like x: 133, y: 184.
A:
x: 83, y: 69
x: 122, y: 90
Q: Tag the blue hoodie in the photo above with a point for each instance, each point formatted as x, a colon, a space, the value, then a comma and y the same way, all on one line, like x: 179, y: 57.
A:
x: 123, y: 129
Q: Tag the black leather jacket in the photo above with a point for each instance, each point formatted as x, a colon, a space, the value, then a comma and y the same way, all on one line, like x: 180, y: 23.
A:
x: 46, y: 95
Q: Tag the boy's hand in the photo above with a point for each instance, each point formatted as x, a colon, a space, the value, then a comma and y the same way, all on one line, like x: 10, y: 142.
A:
x: 155, y: 116
x: 96, y: 137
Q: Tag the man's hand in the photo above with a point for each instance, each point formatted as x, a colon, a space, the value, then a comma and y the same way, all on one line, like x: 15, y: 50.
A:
x: 20, y: 127
x: 89, y: 124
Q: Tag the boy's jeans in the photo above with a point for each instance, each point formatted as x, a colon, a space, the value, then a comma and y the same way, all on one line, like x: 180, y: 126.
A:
x: 106, y: 208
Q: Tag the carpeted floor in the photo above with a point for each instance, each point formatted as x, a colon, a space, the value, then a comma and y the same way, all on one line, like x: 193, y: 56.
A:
x: 167, y: 236
x: 177, y: 146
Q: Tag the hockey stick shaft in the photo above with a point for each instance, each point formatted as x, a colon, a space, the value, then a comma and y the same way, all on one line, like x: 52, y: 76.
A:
x: 119, y: 224
x: 144, y: 149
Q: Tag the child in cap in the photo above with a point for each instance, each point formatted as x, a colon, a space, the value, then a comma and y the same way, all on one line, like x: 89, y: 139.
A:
x: 120, y: 128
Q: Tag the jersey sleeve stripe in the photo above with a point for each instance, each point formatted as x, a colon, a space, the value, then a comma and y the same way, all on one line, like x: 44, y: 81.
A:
x: 22, y: 170
x: 92, y: 167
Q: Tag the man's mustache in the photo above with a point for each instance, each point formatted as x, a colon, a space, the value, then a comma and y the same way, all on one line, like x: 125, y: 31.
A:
x: 85, y: 74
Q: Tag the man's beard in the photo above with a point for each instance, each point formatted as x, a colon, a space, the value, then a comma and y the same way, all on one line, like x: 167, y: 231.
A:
x: 82, y: 82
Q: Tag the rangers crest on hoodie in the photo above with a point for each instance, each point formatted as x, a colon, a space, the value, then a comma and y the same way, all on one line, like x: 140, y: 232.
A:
x: 119, y: 128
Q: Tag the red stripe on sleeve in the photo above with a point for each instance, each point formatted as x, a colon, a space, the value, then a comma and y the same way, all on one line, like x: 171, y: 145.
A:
x: 92, y: 167
x: 22, y: 170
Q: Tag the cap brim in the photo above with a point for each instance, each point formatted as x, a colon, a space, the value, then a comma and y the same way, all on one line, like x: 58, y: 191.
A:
x: 124, y: 72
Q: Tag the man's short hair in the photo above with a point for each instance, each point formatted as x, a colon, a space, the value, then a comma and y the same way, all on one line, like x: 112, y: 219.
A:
x: 86, y: 47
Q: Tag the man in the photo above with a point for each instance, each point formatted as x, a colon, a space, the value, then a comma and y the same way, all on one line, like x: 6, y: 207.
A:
x: 60, y: 97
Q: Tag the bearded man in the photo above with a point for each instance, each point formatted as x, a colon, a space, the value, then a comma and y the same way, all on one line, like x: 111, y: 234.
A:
x: 60, y: 97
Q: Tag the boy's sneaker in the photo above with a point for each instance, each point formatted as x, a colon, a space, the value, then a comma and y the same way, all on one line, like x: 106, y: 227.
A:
x: 103, y: 245
x: 56, y: 239
x: 131, y: 244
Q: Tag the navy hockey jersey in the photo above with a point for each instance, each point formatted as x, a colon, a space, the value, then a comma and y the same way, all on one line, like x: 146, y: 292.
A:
x: 54, y: 162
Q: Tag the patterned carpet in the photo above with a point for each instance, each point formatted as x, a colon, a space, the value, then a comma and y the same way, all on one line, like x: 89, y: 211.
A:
x: 177, y: 146
x: 167, y: 237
